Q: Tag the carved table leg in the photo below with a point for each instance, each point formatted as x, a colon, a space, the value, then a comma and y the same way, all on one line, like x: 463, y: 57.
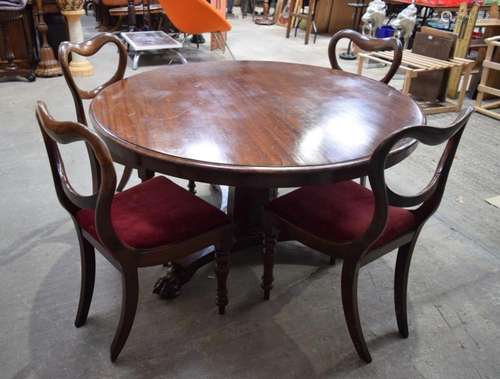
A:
x: 145, y: 174
x: 245, y: 207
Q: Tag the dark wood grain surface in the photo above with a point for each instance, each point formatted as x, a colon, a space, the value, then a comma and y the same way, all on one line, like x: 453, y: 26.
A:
x: 251, y: 123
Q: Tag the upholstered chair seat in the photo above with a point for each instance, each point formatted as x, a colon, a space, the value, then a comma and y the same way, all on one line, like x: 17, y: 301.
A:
x: 345, y: 214
x: 156, y: 212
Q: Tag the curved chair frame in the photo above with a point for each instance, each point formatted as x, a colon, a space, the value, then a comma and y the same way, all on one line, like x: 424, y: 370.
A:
x: 359, y: 252
x: 89, y: 48
x: 368, y: 44
x: 125, y: 258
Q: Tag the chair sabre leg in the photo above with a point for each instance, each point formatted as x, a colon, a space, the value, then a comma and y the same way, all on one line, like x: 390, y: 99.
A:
x: 223, y: 43
x: 87, y: 255
x: 402, y: 269
x: 130, y: 289
x: 222, y: 271
x: 127, y: 172
x: 268, y: 263
x: 350, y: 304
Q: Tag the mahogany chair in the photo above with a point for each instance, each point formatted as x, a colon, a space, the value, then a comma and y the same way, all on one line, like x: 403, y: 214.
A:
x: 368, y: 44
x: 149, y: 224
x: 359, y: 225
x: 88, y: 48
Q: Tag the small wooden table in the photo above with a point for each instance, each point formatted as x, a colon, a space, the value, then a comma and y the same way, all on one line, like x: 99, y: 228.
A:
x: 255, y: 126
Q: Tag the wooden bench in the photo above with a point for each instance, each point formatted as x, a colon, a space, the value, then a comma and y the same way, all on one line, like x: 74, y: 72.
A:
x: 489, y: 64
x: 412, y: 64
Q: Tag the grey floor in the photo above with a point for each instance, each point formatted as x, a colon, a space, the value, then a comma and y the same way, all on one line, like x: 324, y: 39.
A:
x: 454, y: 290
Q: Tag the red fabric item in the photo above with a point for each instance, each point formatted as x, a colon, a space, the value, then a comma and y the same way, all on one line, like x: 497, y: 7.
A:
x: 155, y: 213
x: 339, y: 212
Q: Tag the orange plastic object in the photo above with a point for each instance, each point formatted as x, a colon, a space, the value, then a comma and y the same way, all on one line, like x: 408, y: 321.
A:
x: 195, y: 16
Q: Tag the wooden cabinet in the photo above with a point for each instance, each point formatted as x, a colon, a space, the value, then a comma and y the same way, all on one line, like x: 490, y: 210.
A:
x: 20, y: 35
x: 333, y: 15
x: 22, y: 32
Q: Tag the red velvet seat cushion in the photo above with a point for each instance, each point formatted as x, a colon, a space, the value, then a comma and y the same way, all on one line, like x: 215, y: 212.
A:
x: 155, y: 213
x: 339, y: 212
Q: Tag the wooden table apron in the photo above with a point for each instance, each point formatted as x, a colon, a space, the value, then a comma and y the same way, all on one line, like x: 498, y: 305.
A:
x: 251, y: 125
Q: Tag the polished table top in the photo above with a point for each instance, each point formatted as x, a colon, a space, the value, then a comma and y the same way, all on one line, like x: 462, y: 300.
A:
x: 250, y: 117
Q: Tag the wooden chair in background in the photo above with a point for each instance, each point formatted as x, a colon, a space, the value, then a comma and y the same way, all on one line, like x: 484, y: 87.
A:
x: 367, y: 44
x: 88, y: 48
x: 149, y: 224
x: 296, y: 16
x: 348, y: 221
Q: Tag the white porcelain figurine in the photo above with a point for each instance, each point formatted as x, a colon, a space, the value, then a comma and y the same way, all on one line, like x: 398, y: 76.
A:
x: 405, y: 23
x: 374, y: 17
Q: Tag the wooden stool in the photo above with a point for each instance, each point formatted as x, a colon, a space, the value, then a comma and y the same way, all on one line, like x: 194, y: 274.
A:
x: 489, y: 64
x: 296, y: 16
x: 413, y: 64
x: 356, y: 21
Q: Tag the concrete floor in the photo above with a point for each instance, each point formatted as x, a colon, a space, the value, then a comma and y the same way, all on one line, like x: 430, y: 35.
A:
x: 454, y: 289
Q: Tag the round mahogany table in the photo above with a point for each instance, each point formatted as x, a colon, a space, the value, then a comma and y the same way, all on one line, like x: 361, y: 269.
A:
x: 251, y: 125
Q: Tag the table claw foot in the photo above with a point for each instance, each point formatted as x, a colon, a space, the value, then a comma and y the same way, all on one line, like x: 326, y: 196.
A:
x: 169, y: 286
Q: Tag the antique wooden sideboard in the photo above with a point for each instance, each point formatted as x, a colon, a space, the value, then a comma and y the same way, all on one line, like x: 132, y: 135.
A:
x: 24, y: 38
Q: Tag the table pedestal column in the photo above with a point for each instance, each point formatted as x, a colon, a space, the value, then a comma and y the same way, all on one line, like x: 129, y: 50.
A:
x: 79, y: 66
x: 245, y: 207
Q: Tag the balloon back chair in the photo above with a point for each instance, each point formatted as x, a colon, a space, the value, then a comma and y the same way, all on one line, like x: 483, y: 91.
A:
x: 149, y: 224
x: 348, y: 221
x: 367, y: 44
x: 88, y: 48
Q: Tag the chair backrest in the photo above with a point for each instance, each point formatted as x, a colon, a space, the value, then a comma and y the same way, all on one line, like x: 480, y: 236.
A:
x: 88, y: 48
x: 425, y: 203
x: 54, y: 133
x: 368, y: 44
x: 195, y: 16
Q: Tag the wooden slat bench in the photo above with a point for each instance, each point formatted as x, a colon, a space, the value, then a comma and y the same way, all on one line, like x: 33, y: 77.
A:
x: 413, y: 64
x: 489, y: 64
